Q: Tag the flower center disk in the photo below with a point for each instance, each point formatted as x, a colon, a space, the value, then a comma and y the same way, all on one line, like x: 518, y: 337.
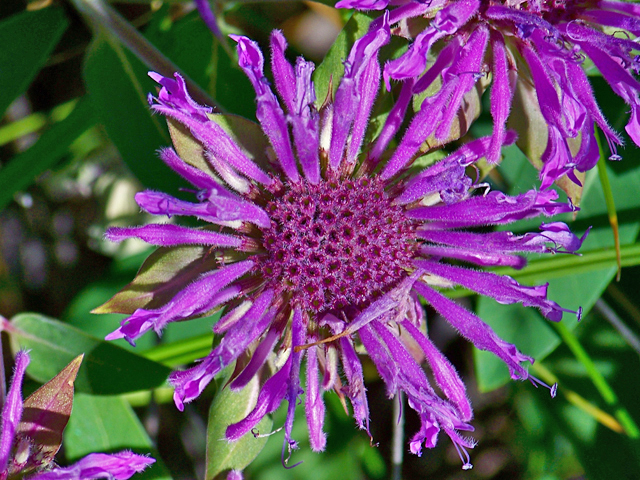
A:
x: 335, y: 244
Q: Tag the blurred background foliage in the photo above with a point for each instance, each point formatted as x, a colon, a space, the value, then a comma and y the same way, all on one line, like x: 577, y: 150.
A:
x: 77, y: 141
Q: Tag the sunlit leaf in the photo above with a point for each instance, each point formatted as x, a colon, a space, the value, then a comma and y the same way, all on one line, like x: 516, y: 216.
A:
x: 229, y: 407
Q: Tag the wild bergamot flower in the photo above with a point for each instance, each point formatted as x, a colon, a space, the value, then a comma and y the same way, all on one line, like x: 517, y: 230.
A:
x: 315, y: 246
x: 532, y: 49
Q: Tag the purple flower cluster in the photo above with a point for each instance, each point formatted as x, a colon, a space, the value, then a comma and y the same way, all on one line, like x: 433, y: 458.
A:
x: 21, y: 456
x: 539, y: 45
x: 320, y: 244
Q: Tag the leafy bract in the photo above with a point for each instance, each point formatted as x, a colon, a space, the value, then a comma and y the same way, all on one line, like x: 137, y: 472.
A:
x: 163, y: 274
x: 47, y: 411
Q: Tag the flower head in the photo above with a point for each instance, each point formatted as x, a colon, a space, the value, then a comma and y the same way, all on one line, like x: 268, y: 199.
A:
x: 534, y: 51
x: 317, y: 246
x: 29, y: 441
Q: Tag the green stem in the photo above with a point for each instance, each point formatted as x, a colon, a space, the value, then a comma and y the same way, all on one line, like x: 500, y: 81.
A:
x: 598, y: 380
x: 611, y: 206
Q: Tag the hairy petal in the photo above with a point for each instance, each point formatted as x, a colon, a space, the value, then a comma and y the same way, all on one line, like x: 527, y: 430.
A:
x: 12, y: 409
x: 269, y: 112
x: 116, y: 466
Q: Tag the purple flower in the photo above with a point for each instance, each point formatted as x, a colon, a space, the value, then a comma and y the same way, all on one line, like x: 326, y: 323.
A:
x: 533, y: 50
x: 318, y: 247
x: 22, y: 456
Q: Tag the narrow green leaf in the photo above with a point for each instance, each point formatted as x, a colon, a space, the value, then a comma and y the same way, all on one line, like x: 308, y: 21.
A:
x: 118, y: 86
x: 27, y: 39
x: 52, y: 145
x: 229, y: 407
x: 607, y: 393
x: 47, y: 410
x: 109, y: 424
x: 107, y: 369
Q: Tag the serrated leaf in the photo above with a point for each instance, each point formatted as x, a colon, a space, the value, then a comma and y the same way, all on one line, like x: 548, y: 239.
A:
x: 163, y: 274
x: 107, y: 369
x: 27, y: 39
x: 109, y: 424
x: 229, y: 407
x: 47, y: 411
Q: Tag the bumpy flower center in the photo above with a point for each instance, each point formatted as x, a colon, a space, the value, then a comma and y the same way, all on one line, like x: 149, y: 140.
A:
x: 336, y: 244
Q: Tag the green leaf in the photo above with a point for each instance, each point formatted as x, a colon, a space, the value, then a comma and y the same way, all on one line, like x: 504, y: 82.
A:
x: 162, y: 275
x: 47, y: 410
x: 52, y: 145
x: 109, y: 424
x: 118, y: 85
x: 107, y: 369
x: 583, y: 284
x: 27, y: 39
x: 229, y: 407
x: 331, y: 70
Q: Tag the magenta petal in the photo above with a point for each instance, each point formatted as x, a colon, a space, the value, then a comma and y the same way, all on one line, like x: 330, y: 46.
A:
x: 269, y: 399
x: 370, y: 84
x: 194, y: 176
x: 269, y: 112
x: 394, y: 120
x: 282, y: 72
x: 116, y: 466
x: 195, y: 299
x: 476, y: 331
x: 190, y: 383
x: 445, y: 374
x: 501, y: 288
x: 168, y: 235
x: 12, y: 409
x: 174, y: 94
x: 494, y: 208
x: 352, y: 88
x: 298, y: 335
x: 314, y: 404
x: 305, y: 122
x: 501, y: 95
x: 258, y: 359
x: 356, y: 390
x: 467, y: 69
